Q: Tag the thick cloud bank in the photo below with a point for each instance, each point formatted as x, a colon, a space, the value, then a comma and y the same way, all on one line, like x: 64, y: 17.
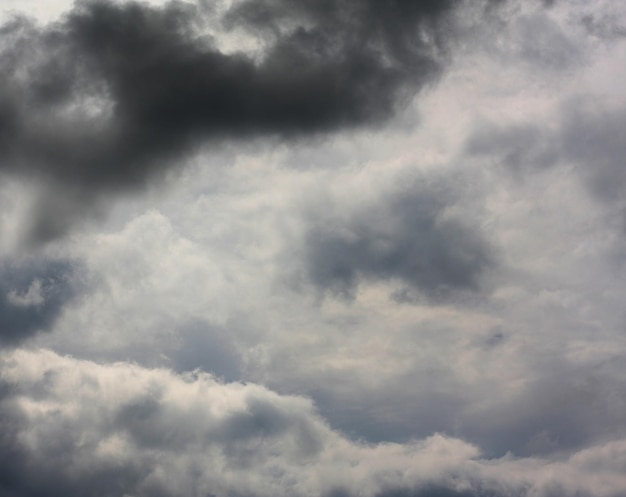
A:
x: 113, y: 93
x: 76, y: 428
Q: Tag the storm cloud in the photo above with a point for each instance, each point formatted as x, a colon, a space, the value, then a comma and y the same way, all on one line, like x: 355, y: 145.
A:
x: 113, y: 93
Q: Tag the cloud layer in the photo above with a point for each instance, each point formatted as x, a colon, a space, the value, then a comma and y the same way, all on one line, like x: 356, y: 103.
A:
x: 77, y: 427
x: 370, y: 248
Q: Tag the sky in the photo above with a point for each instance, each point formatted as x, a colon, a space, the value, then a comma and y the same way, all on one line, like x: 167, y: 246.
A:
x: 297, y: 248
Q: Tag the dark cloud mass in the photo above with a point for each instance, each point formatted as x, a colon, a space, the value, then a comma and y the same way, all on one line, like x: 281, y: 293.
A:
x: 411, y: 236
x: 31, y: 298
x: 113, y: 93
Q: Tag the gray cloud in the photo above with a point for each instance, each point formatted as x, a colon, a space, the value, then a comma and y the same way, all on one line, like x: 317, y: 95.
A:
x: 604, y: 27
x: 512, y: 363
x: 594, y: 137
x: 207, y: 347
x: 411, y: 235
x: 562, y: 409
x: 393, y: 412
x: 77, y: 427
x: 520, y: 147
x: 113, y: 94
x: 32, y: 294
x: 543, y: 44
x: 589, y: 136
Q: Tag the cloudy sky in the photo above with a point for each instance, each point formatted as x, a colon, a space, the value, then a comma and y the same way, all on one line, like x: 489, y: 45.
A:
x: 313, y: 248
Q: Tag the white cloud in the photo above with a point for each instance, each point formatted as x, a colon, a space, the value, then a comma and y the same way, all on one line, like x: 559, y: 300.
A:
x: 149, y: 431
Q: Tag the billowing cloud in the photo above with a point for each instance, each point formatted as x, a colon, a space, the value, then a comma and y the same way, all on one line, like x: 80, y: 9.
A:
x: 77, y: 427
x: 113, y: 93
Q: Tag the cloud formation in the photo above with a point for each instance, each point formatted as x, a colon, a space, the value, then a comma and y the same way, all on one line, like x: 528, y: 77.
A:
x: 589, y: 137
x: 114, y: 93
x: 504, y: 375
x: 413, y: 234
x: 77, y: 427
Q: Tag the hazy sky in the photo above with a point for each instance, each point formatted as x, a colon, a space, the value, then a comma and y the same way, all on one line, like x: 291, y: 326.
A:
x: 313, y: 248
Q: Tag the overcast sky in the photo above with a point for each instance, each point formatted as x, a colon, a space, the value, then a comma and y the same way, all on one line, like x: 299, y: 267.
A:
x: 313, y: 248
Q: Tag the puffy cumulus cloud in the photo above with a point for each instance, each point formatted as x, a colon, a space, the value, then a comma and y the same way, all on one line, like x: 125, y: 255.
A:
x: 32, y: 295
x: 155, y: 295
x: 76, y: 427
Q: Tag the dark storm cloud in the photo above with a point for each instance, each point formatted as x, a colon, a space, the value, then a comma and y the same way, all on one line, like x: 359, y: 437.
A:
x: 31, y: 297
x: 115, y: 92
x: 410, y: 236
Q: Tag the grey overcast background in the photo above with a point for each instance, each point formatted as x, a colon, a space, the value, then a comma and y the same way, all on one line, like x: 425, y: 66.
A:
x: 313, y: 248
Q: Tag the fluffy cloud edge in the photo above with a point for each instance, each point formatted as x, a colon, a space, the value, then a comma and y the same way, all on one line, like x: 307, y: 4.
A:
x: 122, y: 429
